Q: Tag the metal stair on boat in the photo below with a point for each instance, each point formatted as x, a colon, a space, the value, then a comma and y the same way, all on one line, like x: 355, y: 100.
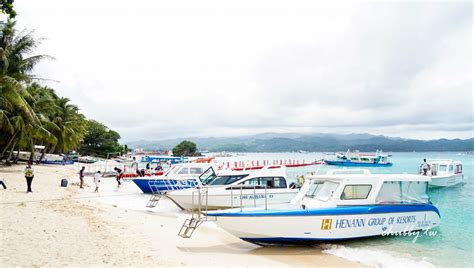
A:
x: 197, y: 217
x: 154, y: 199
x: 188, y: 227
x: 157, y: 193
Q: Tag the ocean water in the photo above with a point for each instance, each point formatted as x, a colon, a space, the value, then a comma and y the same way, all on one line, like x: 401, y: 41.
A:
x: 449, y: 245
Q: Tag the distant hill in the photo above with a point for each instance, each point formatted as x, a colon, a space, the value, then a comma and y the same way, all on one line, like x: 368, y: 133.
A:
x: 276, y: 142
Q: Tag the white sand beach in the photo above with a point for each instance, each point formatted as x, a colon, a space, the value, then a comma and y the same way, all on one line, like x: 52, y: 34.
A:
x: 56, y: 226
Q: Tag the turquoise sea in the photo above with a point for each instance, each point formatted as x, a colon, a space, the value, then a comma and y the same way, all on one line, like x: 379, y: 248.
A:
x: 451, y: 244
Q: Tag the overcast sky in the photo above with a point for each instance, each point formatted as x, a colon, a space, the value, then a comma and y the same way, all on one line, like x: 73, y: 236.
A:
x: 160, y: 69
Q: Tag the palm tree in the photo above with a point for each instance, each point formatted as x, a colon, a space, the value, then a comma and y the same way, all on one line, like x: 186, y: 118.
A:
x: 16, y: 67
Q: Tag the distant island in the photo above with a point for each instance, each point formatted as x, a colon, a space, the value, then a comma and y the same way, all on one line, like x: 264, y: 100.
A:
x: 317, y: 142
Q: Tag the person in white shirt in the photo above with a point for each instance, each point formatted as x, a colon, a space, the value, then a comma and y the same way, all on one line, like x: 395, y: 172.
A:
x: 425, y: 167
x: 97, y: 177
x: 135, y: 165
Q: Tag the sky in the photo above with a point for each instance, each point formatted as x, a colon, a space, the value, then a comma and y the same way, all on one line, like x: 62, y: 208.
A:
x: 153, y: 69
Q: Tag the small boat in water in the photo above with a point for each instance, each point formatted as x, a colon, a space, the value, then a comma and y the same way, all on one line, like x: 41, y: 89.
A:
x: 179, y: 176
x: 444, y: 172
x: 357, y: 159
x: 336, y: 207
x: 231, y: 188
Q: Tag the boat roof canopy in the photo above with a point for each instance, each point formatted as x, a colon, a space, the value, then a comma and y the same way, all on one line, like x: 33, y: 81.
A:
x: 364, y: 175
x: 442, y: 161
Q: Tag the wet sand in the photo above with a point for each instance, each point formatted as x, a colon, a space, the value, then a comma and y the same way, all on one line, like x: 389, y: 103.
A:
x: 71, y: 226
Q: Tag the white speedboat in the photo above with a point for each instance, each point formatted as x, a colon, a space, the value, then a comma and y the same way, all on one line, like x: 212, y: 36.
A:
x: 338, y: 207
x: 242, y: 188
x: 445, y: 172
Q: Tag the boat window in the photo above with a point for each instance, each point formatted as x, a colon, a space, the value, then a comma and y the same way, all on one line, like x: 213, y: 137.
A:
x: 365, y: 159
x: 443, y: 168
x: 225, y: 180
x: 195, y: 171
x: 269, y: 182
x: 279, y: 182
x: 406, y: 192
x: 326, y: 191
x: 184, y: 170
x: 389, y: 193
x: 313, y: 189
x: 451, y: 168
x: 356, y: 191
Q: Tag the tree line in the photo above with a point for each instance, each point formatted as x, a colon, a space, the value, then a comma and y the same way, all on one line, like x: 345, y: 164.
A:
x: 33, y: 114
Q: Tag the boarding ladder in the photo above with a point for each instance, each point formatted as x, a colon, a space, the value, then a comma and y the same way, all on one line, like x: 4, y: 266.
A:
x: 197, y: 216
x: 158, y: 192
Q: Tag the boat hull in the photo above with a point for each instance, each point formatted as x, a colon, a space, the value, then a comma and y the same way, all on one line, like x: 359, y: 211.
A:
x: 446, y: 181
x: 327, y: 224
x: 184, y: 200
x: 150, y: 186
x: 346, y: 163
x: 55, y: 162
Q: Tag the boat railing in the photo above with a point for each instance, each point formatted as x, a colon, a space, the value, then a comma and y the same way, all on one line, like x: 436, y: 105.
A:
x: 199, y: 211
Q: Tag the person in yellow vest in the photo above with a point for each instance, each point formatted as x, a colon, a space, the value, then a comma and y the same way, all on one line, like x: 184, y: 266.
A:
x: 29, y: 174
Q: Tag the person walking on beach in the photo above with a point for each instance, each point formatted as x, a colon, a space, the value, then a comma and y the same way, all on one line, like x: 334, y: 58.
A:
x: 118, y: 176
x: 29, y: 174
x: 81, y: 177
x: 425, y: 167
x: 97, y: 177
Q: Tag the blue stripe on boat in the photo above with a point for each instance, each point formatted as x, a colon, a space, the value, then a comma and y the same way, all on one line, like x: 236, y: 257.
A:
x: 294, y: 240
x: 162, y: 185
x: 346, y: 210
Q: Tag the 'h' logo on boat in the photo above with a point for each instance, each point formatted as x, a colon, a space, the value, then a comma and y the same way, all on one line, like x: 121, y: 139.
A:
x: 326, y: 224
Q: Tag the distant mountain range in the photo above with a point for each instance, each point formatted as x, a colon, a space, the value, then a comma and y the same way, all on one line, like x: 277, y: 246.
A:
x: 275, y: 142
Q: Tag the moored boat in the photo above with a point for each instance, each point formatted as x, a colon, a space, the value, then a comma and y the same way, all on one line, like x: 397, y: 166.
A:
x: 444, y: 172
x: 357, y: 159
x: 335, y: 207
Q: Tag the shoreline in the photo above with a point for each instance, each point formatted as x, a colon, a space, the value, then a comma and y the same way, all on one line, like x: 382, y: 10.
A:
x: 73, y: 226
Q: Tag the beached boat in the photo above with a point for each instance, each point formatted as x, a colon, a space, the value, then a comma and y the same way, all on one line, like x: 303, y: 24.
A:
x: 179, y: 176
x: 86, y: 159
x: 335, y: 207
x: 238, y: 188
x: 444, y: 172
x: 358, y: 159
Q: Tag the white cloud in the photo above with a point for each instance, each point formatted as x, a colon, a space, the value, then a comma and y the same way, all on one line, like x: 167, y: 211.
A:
x: 159, y: 69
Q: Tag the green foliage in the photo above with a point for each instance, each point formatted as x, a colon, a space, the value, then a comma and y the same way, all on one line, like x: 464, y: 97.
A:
x: 33, y: 114
x: 100, y: 141
x: 6, y: 7
x: 185, y: 148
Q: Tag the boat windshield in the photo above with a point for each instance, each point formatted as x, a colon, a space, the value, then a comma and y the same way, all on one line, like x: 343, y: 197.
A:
x: 172, y: 170
x: 313, y: 189
x: 326, y: 191
x: 226, y: 180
